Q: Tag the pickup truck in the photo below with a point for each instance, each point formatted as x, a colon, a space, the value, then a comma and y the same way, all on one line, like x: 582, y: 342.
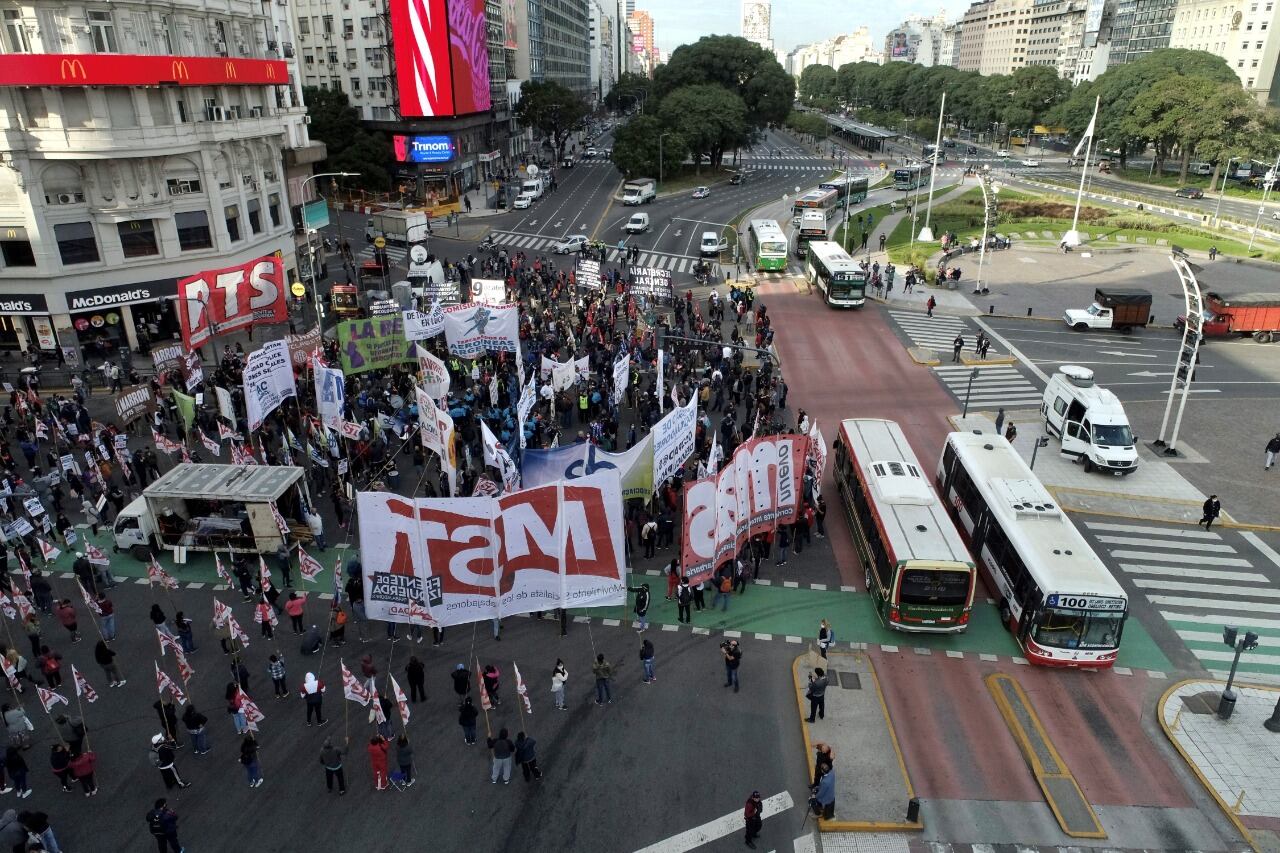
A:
x: 1255, y: 315
x: 1112, y: 308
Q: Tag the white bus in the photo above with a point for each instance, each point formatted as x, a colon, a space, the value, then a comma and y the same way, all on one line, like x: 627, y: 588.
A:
x: 820, y: 199
x: 766, y: 245
x: 843, y: 283
x: 916, y: 567
x: 812, y: 227
x: 1055, y: 595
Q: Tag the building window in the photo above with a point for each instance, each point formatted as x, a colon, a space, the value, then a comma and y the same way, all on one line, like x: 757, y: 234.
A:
x: 17, y: 253
x: 138, y: 238
x: 304, y: 27
x: 233, y: 222
x: 182, y: 186
x: 76, y: 243
x: 273, y: 209
x: 355, y: 85
x: 193, y: 230
x: 102, y: 32
x: 255, y: 216
x: 15, y: 34
x: 328, y: 25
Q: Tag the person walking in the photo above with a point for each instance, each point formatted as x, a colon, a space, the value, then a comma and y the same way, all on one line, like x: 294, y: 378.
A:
x: 817, y: 694
x: 649, y: 536
x: 559, y: 675
x: 930, y: 305
x: 826, y: 637
x: 492, y: 681
x: 673, y: 577
x: 416, y: 674
x: 825, y: 794
x: 646, y: 660
x: 642, y: 606
x: 724, y: 587
x: 378, y: 748
x: 999, y: 419
x: 162, y: 823
x: 732, y: 660
x: 467, y: 714
x: 331, y: 761
x: 684, y: 595
x: 105, y: 657
x: 249, y: 758
x: 527, y: 757
x: 753, y: 817
x: 313, y: 693
x: 404, y: 759
x: 603, y: 672
x: 1272, y: 450
x: 461, y: 682
x: 196, y: 724
x: 275, y: 669
x: 503, y: 751
x: 957, y: 346
x: 1212, y: 509
x: 66, y: 612
x: 700, y: 596
x: 162, y: 758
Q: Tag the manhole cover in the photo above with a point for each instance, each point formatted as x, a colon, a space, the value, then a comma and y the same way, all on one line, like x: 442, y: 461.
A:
x: 849, y: 680
x: 1201, y: 703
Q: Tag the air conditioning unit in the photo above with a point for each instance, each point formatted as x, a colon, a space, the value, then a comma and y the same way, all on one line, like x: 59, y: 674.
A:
x: 220, y: 47
x: 306, y: 119
x: 271, y: 45
x: 364, y: 34
x: 288, y: 50
x: 348, y: 35
x: 66, y: 198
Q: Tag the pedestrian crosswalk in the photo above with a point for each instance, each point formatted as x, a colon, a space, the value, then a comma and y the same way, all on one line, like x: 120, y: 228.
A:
x: 396, y: 254
x: 534, y: 243
x: 1201, y: 581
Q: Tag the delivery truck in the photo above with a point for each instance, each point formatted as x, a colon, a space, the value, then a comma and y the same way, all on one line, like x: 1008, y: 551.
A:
x: 224, y: 508
x: 1112, y: 308
x: 1255, y: 315
x: 1089, y: 420
x: 639, y: 191
x: 397, y: 226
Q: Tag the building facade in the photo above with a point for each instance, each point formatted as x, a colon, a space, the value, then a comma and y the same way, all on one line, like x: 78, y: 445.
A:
x: 973, y: 34
x: 566, y: 36
x: 603, y: 39
x: 1140, y: 26
x: 1243, y: 32
x: 949, y: 45
x: 757, y: 23
x: 917, y: 40
x: 833, y: 52
x: 140, y: 146
x: 1055, y: 34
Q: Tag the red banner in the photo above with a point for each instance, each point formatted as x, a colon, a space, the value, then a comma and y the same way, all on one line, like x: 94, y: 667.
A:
x: 113, y: 69
x: 760, y: 488
x: 220, y: 301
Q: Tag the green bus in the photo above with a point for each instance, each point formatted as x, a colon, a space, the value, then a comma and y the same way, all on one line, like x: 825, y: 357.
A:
x: 911, y: 177
x: 766, y: 245
x: 850, y: 190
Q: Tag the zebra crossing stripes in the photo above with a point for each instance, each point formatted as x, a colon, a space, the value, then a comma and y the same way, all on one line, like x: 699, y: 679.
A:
x: 935, y: 332
x: 396, y: 254
x: 1199, y: 582
x: 995, y: 386
x: 657, y: 260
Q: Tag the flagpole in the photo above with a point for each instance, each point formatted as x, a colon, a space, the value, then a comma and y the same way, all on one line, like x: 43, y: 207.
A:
x: 346, y: 705
x: 1072, y: 237
x: 80, y: 708
x: 487, y: 728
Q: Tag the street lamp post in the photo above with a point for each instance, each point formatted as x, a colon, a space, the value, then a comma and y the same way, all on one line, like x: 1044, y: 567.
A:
x: 1222, y: 191
x: 1268, y: 183
x: 661, y: 137
x: 1247, y: 643
x: 311, y: 255
x: 973, y: 374
x: 1042, y: 441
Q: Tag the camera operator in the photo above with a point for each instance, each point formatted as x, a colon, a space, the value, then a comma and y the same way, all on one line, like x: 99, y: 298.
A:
x: 732, y: 658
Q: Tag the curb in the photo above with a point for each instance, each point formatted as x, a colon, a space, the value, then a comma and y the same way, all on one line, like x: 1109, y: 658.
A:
x: 926, y: 357
x: 969, y: 361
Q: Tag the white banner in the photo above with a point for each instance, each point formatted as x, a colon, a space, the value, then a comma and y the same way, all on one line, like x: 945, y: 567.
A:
x: 429, y: 426
x: 225, y: 407
x: 621, y: 377
x: 331, y: 395
x: 488, y: 291
x: 420, y: 325
x: 528, y: 398
x: 434, y: 373
x: 448, y: 459
x: 473, y: 330
x: 268, y: 380
x: 496, y: 455
x: 673, y: 440
x: 562, y: 376
x: 442, y: 561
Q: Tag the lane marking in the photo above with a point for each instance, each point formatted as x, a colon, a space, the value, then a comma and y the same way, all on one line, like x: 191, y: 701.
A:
x: 719, y: 828
x: 1265, y: 549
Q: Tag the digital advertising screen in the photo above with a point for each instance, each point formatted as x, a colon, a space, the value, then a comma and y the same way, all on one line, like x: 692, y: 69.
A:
x: 470, y: 56
x: 442, y: 65
x: 423, y: 149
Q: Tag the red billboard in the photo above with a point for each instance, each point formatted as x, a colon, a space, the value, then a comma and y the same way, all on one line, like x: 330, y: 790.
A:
x: 442, y: 59
x: 110, y: 69
x: 217, y: 302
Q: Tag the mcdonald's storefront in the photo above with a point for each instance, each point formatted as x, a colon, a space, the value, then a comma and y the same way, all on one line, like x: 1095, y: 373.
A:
x: 105, y: 319
x: 25, y: 322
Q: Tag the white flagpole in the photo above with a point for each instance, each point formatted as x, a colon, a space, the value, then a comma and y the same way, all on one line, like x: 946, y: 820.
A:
x: 1072, y: 237
x: 926, y: 233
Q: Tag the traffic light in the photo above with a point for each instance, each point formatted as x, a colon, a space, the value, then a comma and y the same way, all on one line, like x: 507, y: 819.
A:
x: 1229, y: 637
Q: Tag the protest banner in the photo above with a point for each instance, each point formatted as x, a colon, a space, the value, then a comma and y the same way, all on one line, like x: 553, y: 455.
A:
x: 218, y: 302
x: 373, y: 343
x: 473, y: 330
x: 134, y: 402
x: 572, y: 461
x: 268, y: 380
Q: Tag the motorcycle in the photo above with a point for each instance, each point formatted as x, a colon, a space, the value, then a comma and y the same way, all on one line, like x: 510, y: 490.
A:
x: 486, y: 245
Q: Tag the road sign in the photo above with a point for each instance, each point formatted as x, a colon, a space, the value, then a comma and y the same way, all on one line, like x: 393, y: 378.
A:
x: 418, y: 254
x: 379, y: 242
x: 298, y: 290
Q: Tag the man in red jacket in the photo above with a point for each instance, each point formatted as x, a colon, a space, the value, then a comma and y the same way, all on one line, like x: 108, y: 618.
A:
x: 753, y: 815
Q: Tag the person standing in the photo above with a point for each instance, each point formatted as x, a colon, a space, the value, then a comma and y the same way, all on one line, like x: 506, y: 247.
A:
x: 162, y: 758
x: 820, y: 517
x: 16, y: 766
x: 673, y: 577
x: 378, y: 748
x: 249, y: 758
x: 700, y: 596
x: 313, y: 693
x: 559, y: 675
x: 753, y: 817
x: 235, y: 708
x: 294, y: 606
x: 825, y: 794
x: 461, y: 682
x: 825, y: 638
x: 930, y: 305
x: 1272, y: 449
x: 957, y: 346
x: 162, y: 822
x: 467, y: 714
x: 999, y: 420
x: 195, y: 723
x: 642, y: 606
x: 66, y: 612
x: 684, y: 595
x: 603, y: 672
x: 1212, y: 509
x: 648, y: 536
x: 646, y: 660
x: 275, y: 669
x: 331, y: 761
x: 416, y: 674
x: 105, y: 657
x: 527, y: 757
x: 732, y: 660
x: 404, y: 758
x: 817, y: 694
x: 503, y: 755
x: 492, y: 681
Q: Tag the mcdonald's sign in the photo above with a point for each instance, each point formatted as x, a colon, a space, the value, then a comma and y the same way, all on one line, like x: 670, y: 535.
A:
x: 71, y: 69
x: 91, y: 69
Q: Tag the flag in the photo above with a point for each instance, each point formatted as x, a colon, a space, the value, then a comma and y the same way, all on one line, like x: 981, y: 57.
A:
x: 337, y: 581
x: 49, y: 698
x: 24, y: 606
x: 1088, y: 133
x: 521, y: 689
x: 401, y: 700
x: 42, y: 431
x: 221, y: 613
x: 225, y: 432
x: 26, y: 570
x: 292, y: 439
x: 378, y: 716
x: 168, y: 641
x: 252, y: 713
x: 714, y: 454
x: 155, y: 574
x: 96, y: 555
x: 237, y: 631
x: 82, y: 686
x: 352, y: 689
x: 47, y: 551
x: 280, y: 522
x: 221, y: 569
x: 7, y: 606
x: 485, y: 702
x: 264, y: 574
x: 88, y: 599
x: 209, y: 444
x: 186, y: 454
x: 264, y: 613
x: 10, y: 674
x: 308, y: 566
x: 164, y: 682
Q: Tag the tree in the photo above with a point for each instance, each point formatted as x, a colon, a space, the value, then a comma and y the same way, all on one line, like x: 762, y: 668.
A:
x: 1188, y: 112
x: 636, y: 147
x: 817, y: 82
x: 810, y: 123
x: 740, y: 66
x: 629, y: 92
x: 709, y: 118
x: 350, y: 147
x: 552, y: 110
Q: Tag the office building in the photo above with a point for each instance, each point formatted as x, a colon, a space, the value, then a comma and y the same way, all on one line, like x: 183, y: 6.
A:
x: 917, y: 40
x: 994, y: 36
x: 833, y: 52
x: 1243, y: 32
x: 1141, y: 26
x: 756, y: 25
x: 1055, y: 33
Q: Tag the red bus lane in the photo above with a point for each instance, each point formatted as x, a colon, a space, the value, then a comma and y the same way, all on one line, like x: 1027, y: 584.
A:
x: 842, y: 364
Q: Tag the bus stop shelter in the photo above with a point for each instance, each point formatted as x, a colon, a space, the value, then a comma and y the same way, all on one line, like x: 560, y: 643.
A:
x: 868, y: 137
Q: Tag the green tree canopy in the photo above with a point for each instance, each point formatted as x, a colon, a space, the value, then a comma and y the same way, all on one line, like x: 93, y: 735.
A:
x: 810, y: 123
x: 709, y: 118
x: 350, y: 147
x: 816, y: 82
x: 1188, y: 113
x: 740, y: 66
x: 629, y: 92
x: 636, y: 148
x: 552, y: 110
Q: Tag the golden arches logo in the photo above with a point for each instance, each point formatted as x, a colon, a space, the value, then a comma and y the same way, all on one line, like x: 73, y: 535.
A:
x: 179, y: 70
x: 72, y: 69
x: 230, y: 70
x: 271, y: 72
x: 12, y: 234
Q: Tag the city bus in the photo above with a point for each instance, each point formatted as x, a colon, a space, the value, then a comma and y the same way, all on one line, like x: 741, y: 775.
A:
x: 819, y: 199
x: 766, y: 245
x: 916, y: 567
x: 1055, y: 595
x: 813, y: 226
x: 843, y: 283
x: 910, y: 177
x: 848, y: 189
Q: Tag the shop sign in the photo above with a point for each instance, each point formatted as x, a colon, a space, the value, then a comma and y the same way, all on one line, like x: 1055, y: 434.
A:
x: 120, y: 294
x: 23, y: 303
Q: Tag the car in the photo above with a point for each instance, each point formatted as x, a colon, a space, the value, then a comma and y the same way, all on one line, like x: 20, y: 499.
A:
x: 566, y: 163
x: 701, y: 192
x: 592, y: 152
x: 571, y: 243
x: 969, y: 149
x: 1031, y: 163
x: 948, y: 143
x: 1276, y: 215
x: 736, y: 178
x: 1188, y: 192
x: 1002, y: 153
x: 522, y: 201
x: 712, y: 244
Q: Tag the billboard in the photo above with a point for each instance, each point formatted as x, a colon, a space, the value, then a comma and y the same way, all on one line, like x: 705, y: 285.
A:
x: 114, y: 69
x: 423, y: 149
x: 442, y: 64
x: 510, y: 36
x: 217, y: 302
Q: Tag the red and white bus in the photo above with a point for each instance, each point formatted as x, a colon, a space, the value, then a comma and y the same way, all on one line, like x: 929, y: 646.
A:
x: 1055, y: 595
x: 917, y: 569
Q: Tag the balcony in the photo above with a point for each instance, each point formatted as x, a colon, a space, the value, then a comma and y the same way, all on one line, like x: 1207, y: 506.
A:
x: 110, y: 143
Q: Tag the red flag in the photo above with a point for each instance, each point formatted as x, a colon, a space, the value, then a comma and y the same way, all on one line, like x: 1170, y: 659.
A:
x: 237, y: 631
x: 521, y: 689
x: 164, y: 682
x: 47, y: 551
x: 49, y: 698
x: 308, y: 566
x: 252, y: 713
x: 10, y: 673
x: 88, y: 599
x: 265, y: 613
x: 96, y: 555
x: 155, y: 574
x: 378, y: 716
x: 209, y: 444
x: 225, y: 432
x: 280, y: 522
x: 26, y: 570
x: 264, y: 574
x: 401, y: 700
x: 82, y: 686
x: 24, y: 606
x: 220, y: 613
x: 221, y: 569
x: 353, y: 689
x: 485, y: 702
x: 7, y: 606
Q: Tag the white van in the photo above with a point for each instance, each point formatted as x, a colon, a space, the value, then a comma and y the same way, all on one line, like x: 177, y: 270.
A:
x: 637, y: 224
x: 1089, y: 420
x: 712, y: 244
